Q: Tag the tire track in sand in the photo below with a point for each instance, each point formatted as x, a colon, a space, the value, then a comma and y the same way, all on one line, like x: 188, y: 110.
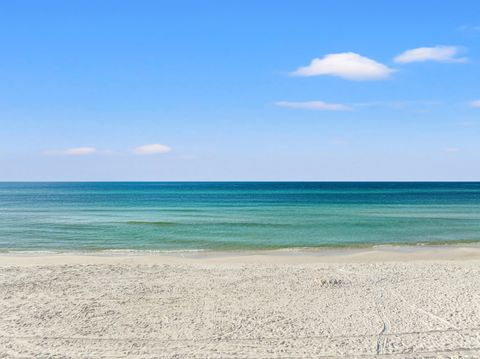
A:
x: 383, y: 335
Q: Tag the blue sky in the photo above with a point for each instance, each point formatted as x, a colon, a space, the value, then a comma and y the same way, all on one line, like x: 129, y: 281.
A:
x: 246, y: 90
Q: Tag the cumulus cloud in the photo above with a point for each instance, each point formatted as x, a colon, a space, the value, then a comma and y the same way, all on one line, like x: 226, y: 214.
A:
x: 151, y: 149
x: 436, y: 53
x: 75, y: 151
x: 475, y: 103
x: 314, y: 105
x: 347, y: 65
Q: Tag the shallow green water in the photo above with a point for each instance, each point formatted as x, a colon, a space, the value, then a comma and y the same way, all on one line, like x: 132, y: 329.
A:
x: 226, y: 216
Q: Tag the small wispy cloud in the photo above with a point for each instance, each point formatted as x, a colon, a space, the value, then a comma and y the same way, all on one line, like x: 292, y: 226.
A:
x: 469, y: 28
x: 314, y: 105
x: 452, y: 149
x: 339, y: 141
x: 467, y: 123
x: 437, y: 53
x: 400, y: 104
x: 475, y: 103
x: 417, y: 106
x: 74, y: 151
x: 152, y: 149
x: 347, y: 65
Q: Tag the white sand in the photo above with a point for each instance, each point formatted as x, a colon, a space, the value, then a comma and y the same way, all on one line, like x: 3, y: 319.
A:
x: 394, y: 303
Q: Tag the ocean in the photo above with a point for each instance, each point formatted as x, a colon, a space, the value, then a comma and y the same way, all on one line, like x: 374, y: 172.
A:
x: 189, y: 216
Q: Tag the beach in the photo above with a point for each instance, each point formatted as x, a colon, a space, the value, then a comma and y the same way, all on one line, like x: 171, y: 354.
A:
x: 392, y: 302
x: 239, y: 179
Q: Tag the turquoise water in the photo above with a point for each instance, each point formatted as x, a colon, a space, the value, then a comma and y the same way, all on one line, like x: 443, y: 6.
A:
x: 231, y: 216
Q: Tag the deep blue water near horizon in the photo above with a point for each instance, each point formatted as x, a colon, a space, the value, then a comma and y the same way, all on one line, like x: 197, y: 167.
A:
x: 171, y: 216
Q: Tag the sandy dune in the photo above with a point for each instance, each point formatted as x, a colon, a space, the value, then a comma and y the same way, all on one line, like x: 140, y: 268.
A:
x: 267, y: 306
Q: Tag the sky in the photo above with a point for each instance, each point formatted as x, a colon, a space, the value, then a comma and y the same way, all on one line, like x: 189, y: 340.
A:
x: 332, y: 90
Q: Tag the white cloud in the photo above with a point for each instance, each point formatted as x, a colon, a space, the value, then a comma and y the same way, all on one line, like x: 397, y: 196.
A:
x: 347, y: 65
x: 314, y: 105
x: 436, y: 53
x: 75, y: 151
x: 151, y: 149
x: 452, y: 149
x: 475, y: 103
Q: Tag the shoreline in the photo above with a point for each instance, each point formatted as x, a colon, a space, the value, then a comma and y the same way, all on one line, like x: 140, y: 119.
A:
x: 375, y: 254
